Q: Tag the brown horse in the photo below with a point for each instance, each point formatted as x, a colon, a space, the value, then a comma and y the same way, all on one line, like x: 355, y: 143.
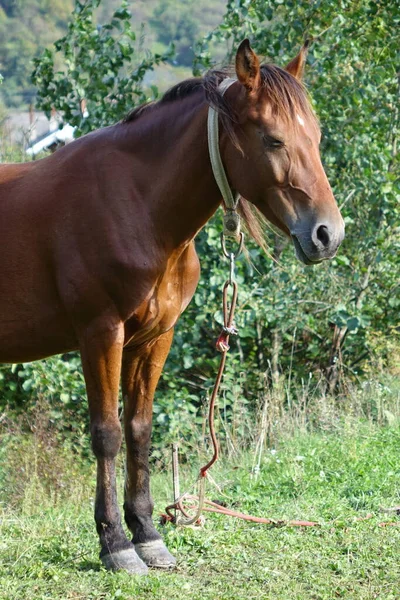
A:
x: 97, y: 252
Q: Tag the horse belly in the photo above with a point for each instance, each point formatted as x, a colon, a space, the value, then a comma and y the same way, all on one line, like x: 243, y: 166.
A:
x: 27, y: 343
x: 33, y: 323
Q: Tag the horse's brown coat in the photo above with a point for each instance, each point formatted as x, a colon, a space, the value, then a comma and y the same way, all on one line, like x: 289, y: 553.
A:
x: 97, y: 253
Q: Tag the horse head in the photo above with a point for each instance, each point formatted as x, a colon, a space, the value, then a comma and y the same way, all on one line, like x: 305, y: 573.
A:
x: 275, y: 162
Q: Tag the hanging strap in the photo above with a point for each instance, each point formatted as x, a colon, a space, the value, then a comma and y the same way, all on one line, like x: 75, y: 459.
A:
x: 230, y: 200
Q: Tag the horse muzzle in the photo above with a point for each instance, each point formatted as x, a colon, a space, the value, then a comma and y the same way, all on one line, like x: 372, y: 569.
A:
x: 321, y: 243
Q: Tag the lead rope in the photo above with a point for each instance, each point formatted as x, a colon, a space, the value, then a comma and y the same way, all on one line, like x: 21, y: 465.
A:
x: 178, y: 511
x: 222, y: 345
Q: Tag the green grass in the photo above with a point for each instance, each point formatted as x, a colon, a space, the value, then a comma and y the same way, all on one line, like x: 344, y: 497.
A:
x: 49, y: 549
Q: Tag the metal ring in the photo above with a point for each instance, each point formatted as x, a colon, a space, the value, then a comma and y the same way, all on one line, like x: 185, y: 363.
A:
x: 238, y: 250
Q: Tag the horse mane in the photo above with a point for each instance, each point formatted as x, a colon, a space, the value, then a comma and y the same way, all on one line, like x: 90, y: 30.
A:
x: 179, y: 91
x: 287, y: 96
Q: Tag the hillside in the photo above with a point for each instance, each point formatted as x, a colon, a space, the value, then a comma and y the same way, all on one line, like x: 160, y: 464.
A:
x: 29, y: 26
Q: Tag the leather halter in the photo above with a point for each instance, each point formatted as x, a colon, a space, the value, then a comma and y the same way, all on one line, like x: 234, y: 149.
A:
x: 230, y: 200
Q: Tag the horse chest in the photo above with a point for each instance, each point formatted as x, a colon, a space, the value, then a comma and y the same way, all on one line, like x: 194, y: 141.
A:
x: 167, y: 304
x: 167, y: 300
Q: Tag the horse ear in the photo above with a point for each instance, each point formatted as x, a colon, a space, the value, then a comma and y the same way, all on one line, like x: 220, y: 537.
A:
x: 296, y: 66
x: 247, y: 67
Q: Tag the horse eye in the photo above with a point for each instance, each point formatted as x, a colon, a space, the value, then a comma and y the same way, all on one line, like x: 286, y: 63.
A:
x: 272, y: 143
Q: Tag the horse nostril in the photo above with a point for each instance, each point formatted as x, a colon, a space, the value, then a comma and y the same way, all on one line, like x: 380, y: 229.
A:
x: 323, y: 235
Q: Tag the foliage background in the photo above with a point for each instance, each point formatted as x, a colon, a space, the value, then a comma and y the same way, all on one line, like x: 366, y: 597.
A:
x: 305, y: 334
x: 27, y: 27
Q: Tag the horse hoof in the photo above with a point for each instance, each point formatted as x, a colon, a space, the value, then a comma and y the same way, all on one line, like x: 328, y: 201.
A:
x: 155, y: 555
x: 124, y: 560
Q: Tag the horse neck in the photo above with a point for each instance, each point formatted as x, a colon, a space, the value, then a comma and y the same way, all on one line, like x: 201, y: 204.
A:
x: 171, y: 141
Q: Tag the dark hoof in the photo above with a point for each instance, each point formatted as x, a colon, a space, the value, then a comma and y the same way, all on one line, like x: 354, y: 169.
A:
x: 124, y: 560
x: 155, y: 555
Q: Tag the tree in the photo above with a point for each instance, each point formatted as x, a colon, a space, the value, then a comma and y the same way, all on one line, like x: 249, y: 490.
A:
x: 101, y: 75
x: 26, y: 28
x: 183, y: 23
x: 355, y: 88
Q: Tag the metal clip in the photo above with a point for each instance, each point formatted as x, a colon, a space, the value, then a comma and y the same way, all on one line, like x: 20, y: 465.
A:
x: 233, y: 330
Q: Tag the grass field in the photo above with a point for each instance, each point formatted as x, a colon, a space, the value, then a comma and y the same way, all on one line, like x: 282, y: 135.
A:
x: 49, y: 547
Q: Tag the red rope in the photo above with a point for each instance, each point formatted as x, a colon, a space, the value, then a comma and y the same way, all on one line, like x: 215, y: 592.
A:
x: 222, y: 346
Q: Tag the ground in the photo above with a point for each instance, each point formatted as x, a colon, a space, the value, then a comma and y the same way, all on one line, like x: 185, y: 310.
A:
x: 49, y: 548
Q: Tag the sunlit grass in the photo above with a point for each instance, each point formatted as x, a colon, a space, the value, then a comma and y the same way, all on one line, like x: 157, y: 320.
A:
x: 49, y: 547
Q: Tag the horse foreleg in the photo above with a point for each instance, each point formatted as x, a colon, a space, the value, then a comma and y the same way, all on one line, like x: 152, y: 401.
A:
x: 140, y: 375
x: 101, y: 352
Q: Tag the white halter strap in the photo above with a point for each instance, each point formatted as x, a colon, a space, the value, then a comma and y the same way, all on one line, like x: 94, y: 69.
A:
x: 230, y: 200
